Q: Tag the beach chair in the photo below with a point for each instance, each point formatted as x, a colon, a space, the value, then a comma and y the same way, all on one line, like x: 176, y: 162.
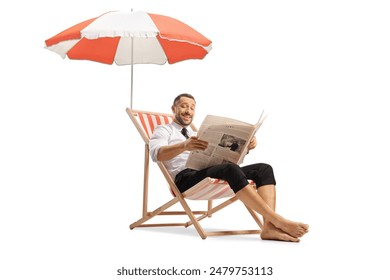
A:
x: 209, y: 189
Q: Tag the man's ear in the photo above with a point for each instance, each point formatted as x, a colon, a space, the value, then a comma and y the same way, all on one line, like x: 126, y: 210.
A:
x: 173, y: 108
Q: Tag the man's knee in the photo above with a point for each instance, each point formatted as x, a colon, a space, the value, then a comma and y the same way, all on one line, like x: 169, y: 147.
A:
x: 268, y: 168
x: 265, y: 175
x: 231, y: 168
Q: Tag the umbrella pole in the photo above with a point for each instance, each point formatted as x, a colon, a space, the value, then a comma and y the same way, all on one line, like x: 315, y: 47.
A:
x: 131, y: 87
x: 131, y: 94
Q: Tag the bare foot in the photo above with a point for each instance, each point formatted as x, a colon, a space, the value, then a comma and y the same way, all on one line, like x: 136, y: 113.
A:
x: 270, y: 232
x: 292, y: 228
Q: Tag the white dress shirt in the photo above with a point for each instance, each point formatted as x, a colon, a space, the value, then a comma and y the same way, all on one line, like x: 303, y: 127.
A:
x: 165, y: 135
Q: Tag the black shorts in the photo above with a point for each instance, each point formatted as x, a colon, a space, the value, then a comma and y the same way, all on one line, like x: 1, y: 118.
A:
x: 237, y: 176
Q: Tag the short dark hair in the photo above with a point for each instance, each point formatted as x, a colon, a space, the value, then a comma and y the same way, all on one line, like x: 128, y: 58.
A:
x: 183, y: 95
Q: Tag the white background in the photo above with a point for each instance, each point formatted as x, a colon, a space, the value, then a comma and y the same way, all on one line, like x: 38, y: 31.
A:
x: 71, y: 161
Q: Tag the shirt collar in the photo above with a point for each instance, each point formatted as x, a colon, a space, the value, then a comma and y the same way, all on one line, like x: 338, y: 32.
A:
x: 178, y: 126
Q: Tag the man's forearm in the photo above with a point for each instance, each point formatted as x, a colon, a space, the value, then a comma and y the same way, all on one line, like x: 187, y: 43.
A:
x: 169, y: 152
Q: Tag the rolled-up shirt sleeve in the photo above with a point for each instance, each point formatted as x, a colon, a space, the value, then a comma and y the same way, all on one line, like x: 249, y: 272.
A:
x: 159, y: 138
x: 166, y: 135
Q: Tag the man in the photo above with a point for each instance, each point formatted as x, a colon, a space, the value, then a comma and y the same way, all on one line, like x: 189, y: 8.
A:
x: 172, y: 144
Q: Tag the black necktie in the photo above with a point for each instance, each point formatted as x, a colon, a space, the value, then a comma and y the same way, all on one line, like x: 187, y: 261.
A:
x: 184, y: 132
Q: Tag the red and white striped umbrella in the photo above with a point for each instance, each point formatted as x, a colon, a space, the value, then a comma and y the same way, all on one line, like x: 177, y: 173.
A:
x: 130, y: 38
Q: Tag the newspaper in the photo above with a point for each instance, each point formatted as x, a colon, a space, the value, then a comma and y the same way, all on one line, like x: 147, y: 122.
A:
x: 228, y: 141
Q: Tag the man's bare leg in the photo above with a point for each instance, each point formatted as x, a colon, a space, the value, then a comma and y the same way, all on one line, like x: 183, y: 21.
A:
x: 273, y: 221
x: 268, y: 194
x: 269, y: 231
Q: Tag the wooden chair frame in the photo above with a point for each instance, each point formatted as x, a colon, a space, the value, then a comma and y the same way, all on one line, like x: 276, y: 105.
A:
x: 194, y: 216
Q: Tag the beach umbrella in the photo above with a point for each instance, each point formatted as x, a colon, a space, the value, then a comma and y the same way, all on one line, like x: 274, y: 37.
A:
x: 130, y: 38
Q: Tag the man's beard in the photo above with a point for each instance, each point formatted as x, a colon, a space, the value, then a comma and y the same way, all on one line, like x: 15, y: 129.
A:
x: 181, y: 121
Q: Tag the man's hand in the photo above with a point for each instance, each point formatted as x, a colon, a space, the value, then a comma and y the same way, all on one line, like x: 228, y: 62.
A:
x: 252, y: 143
x: 193, y: 143
x: 170, y: 151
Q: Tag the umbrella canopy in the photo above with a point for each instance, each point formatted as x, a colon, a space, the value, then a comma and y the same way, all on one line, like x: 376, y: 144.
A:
x: 130, y: 38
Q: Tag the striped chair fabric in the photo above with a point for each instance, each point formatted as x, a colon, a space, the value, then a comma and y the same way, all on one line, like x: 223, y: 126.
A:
x: 150, y: 120
x: 208, y: 188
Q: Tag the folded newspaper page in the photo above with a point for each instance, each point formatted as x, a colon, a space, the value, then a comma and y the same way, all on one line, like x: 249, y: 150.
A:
x: 228, y: 141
